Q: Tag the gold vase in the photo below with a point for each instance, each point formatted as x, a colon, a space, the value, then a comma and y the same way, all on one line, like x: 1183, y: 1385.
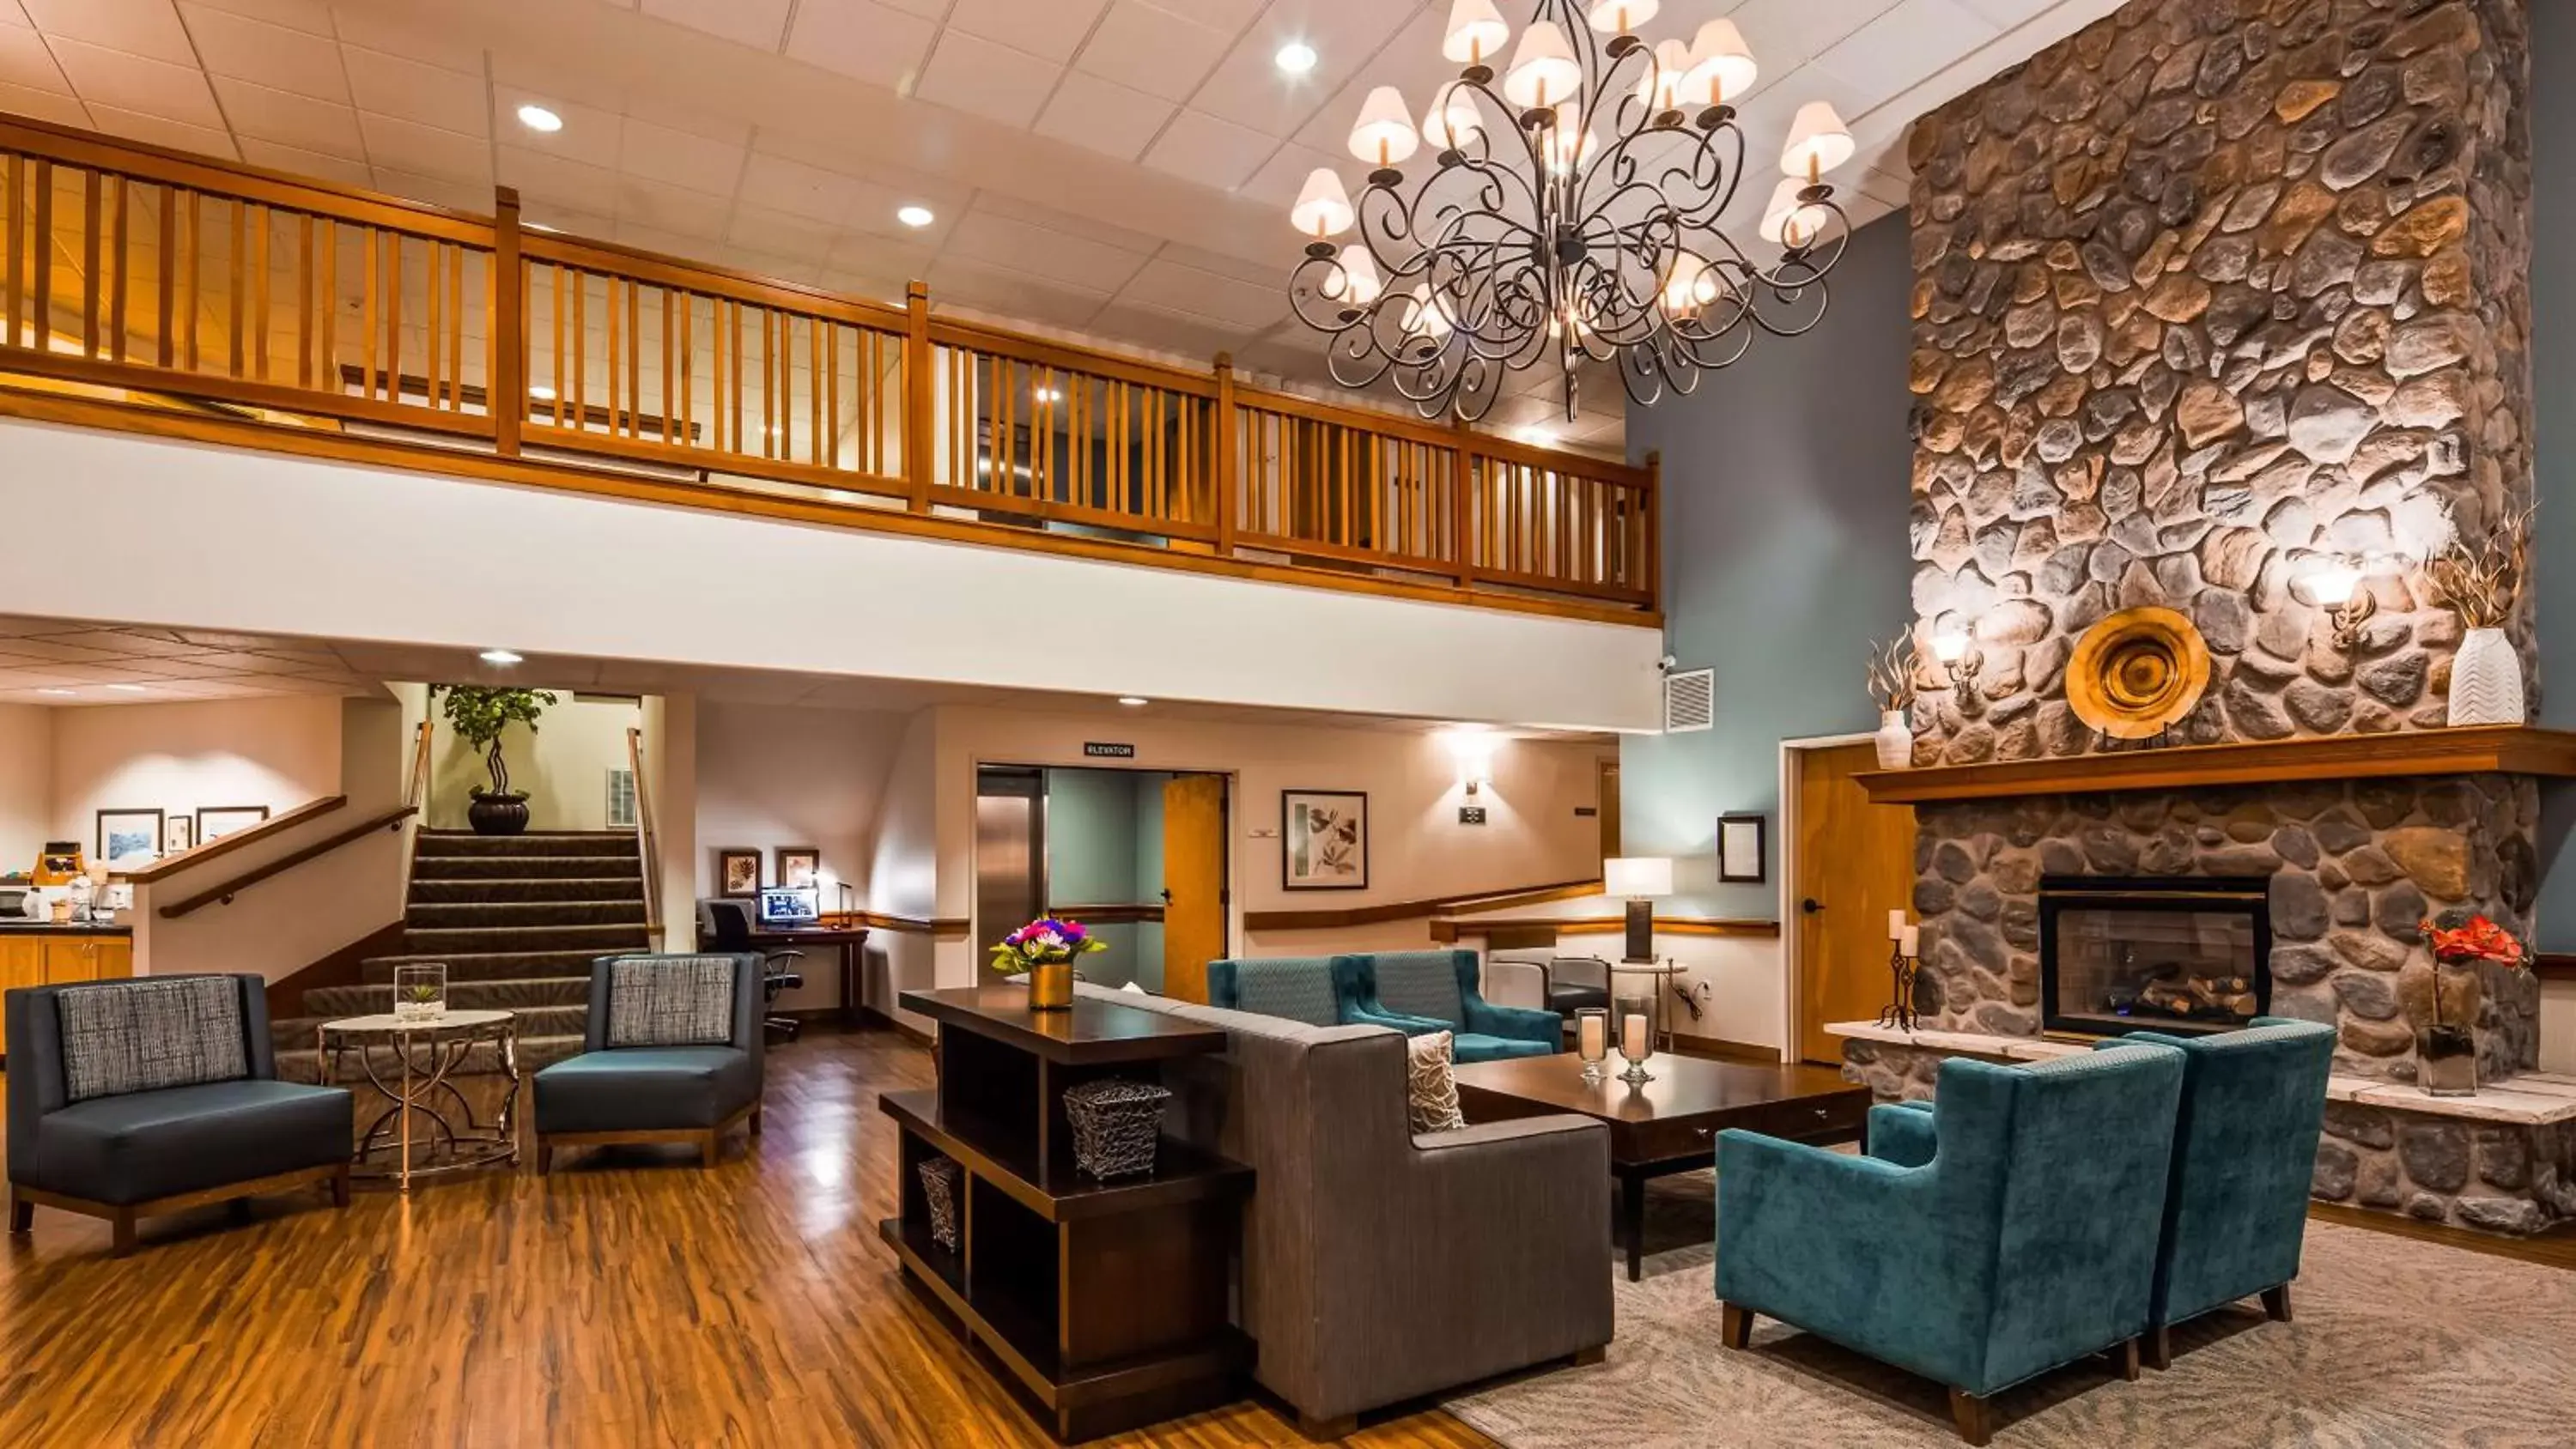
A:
x: 1051, y: 986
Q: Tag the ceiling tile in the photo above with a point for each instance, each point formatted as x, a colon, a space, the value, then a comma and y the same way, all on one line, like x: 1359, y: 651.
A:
x: 558, y: 179
x: 862, y: 39
x: 273, y: 55
x: 757, y: 23
x: 345, y: 171
x: 1011, y: 295
x: 27, y: 64
x: 1785, y: 34
x: 426, y: 150
x: 311, y: 16
x: 1153, y: 51
x: 1050, y: 29
x: 1894, y: 51
x: 1284, y: 175
x: 1211, y: 152
x: 426, y: 95
x: 671, y: 208
x: 994, y: 81
x: 447, y: 191
x: 1039, y: 252
x: 148, y: 28
x: 1173, y: 287
x: 1248, y: 88
x: 1180, y: 335
x: 55, y: 106
x: 678, y: 158
x: 132, y: 83
x: 290, y: 120
x: 396, y: 33
x: 780, y: 234
x: 801, y: 190
x: 1103, y: 116
x: 589, y: 134
x: 2006, y: 14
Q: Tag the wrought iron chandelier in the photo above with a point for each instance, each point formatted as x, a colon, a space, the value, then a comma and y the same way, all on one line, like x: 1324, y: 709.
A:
x: 1536, y: 239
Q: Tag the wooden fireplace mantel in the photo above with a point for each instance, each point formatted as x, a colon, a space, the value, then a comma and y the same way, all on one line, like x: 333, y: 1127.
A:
x: 2471, y: 750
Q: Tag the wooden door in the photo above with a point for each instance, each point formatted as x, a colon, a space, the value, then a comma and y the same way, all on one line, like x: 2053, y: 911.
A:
x: 1609, y: 809
x: 70, y: 958
x: 115, y: 958
x: 22, y: 962
x: 1855, y: 864
x: 1194, y: 900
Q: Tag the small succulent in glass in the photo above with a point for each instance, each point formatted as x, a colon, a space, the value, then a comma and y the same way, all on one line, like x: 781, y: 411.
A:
x: 420, y: 992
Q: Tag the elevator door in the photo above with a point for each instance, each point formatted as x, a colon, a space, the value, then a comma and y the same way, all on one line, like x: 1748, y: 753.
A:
x: 1010, y: 852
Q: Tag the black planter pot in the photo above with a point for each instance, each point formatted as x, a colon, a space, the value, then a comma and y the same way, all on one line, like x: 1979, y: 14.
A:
x: 492, y: 814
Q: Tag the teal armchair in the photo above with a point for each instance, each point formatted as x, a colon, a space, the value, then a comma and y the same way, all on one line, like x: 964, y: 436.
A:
x: 1292, y: 988
x: 2245, y: 1150
x: 1419, y: 992
x: 2009, y: 1230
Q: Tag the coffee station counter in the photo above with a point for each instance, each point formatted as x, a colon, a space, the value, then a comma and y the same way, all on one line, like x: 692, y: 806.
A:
x: 43, y: 953
x: 9, y: 927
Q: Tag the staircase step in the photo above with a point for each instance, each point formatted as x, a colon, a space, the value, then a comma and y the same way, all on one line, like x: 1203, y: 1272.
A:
x: 524, y: 915
x: 490, y: 963
x: 440, y: 943
x: 303, y: 1064
x: 481, y: 890
x: 521, y: 867
x: 451, y: 843
x: 508, y: 994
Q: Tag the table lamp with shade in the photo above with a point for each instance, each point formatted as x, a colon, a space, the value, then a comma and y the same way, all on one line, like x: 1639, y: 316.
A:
x: 1640, y: 879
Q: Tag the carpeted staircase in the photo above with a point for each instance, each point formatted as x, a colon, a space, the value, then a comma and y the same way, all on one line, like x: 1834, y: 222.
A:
x: 517, y: 920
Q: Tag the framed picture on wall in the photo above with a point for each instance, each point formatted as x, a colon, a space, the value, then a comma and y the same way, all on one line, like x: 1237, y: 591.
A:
x: 799, y: 865
x: 1742, y: 847
x: 1323, y: 840
x: 214, y: 822
x: 178, y: 832
x: 737, y: 872
x: 128, y: 835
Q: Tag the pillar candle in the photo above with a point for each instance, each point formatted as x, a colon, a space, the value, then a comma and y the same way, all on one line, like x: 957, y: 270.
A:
x: 1593, y: 1047
x: 1908, y: 939
x: 1895, y: 925
x: 1632, y: 1037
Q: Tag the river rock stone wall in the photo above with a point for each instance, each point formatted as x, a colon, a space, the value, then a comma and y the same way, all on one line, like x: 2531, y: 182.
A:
x: 2354, y: 866
x: 2205, y: 291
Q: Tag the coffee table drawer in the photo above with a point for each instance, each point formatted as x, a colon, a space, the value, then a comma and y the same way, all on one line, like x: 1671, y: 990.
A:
x: 1809, y: 1119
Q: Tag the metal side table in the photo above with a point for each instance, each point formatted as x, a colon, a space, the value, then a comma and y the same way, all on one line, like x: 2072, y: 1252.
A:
x: 412, y: 1062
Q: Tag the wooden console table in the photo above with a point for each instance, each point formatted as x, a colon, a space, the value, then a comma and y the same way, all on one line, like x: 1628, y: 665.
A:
x: 1104, y: 1304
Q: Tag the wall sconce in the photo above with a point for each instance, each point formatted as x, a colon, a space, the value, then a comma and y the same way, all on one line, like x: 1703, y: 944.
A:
x: 2334, y: 585
x: 1473, y: 750
x: 1961, y: 663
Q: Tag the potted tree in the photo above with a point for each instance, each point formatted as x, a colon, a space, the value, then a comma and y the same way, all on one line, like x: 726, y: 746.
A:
x: 479, y: 713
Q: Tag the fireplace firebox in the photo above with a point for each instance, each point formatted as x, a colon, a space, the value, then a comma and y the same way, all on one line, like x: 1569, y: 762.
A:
x: 2180, y: 954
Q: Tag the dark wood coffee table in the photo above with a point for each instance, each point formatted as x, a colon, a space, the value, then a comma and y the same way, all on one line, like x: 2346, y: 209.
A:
x: 1670, y: 1124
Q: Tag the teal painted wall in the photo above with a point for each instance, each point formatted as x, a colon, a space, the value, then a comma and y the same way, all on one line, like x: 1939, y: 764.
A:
x: 2553, y: 390
x: 1104, y: 842
x: 1786, y: 486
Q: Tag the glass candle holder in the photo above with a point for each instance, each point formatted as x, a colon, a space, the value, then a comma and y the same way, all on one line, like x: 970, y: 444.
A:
x: 1636, y: 1026
x: 420, y: 992
x: 1592, y: 1041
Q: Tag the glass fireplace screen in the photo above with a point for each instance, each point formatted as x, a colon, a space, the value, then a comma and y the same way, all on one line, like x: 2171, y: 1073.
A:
x: 2183, y: 955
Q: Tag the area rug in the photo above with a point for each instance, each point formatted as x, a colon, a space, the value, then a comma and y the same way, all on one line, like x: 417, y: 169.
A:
x: 2396, y: 1344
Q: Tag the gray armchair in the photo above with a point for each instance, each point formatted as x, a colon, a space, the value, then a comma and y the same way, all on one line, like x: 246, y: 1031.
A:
x: 671, y: 1053
x: 131, y: 1099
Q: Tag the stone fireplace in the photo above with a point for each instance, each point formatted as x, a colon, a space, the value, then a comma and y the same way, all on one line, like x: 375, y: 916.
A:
x: 2210, y: 296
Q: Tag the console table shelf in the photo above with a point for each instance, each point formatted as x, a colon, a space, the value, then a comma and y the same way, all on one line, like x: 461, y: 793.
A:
x: 1104, y: 1304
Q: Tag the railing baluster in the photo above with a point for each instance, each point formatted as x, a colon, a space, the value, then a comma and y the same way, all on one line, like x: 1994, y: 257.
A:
x: 124, y: 267
x: 13, y: 250
x: 89, y: 262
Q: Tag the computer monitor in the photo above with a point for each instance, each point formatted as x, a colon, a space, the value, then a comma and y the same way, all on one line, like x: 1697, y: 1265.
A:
x: 790, y: 906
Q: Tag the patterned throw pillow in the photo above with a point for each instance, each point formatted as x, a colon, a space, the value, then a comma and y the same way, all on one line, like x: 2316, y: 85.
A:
x: 141, y: 1036
x: 670, y: 1001
x: 1430, y: 1085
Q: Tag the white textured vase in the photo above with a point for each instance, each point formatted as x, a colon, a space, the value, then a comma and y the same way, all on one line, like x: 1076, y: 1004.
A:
x: 1895, y: 740
x: 2486, y: 680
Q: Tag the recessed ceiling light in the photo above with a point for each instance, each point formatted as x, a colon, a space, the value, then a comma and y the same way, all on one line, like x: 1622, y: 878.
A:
x: 498, y: 656
x: 129, y: 688
x: 58, y: 691
x: 542, y: 393
x: 537, y: 118
x: 1296, y: 57
x: 915, y: 216
x: 1134, y: 701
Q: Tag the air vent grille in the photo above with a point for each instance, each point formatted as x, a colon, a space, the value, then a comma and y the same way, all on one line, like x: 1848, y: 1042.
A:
x: 1690, y: 700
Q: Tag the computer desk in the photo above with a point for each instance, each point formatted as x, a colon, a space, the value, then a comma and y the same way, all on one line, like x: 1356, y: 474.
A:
x: 846, y: 939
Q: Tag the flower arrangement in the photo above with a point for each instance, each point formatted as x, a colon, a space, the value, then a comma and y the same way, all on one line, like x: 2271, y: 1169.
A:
x: 2478, y: 940
x: 2449, y: 1050
x: 1895, y: 672
x: 1045, y: 941
x: 2481, y: 580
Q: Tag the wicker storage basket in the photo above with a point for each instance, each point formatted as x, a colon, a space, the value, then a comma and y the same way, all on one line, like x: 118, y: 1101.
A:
x: 939, y: 1182
x: 1115, y: 1126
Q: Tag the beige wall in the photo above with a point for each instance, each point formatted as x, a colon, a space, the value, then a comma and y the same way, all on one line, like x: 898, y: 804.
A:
x: 563, y: 764
x: 60, y: 766
x: 903, y: 866
x: 26, y: 784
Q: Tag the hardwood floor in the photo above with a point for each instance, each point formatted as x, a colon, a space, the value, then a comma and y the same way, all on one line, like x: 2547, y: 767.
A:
x: 629, y: 1299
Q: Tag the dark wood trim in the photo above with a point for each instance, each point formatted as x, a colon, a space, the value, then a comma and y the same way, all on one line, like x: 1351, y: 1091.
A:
x: 1449, y: 930
x: 190, y: 859
x: 945, y: 928
x: 1719, y: 1049
x: 1107, y: 915
x: 340, y: 968
x: 2554, y: 966
x: 2471, y: 750
x: 1345, y: 916
x: 284, y: 863
x: 122, y: 1217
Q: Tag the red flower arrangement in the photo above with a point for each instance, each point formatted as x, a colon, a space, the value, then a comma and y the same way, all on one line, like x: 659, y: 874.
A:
x: 2479, y: 940
x: 2450, y: 1051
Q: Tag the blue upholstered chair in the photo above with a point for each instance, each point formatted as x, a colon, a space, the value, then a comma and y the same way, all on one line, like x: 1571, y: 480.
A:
x: 1418, y: 992
x: 2245, y: 1150
x: 130, y: 1099
x: 671, y: 1053
x: 2009, y: 1230
x: 1293, y: 988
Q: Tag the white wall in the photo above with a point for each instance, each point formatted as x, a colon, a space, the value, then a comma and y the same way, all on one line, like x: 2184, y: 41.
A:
x: 563, y: 764
x: 2558, y: 1026
x: 381, y: 554
x: 903, y: 867
x: 771, y: 776
x: 671, y: 785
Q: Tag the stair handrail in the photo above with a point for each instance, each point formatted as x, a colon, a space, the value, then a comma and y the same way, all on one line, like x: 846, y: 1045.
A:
x: 223, y: 894
x: 647, y: 846
x: 416, y: 790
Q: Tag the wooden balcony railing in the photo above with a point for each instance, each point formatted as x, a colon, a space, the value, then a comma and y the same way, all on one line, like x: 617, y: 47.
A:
x: 139, y: 275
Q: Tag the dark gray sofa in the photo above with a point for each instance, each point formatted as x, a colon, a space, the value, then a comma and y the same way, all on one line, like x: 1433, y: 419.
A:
x: 662, y: 1088
x: 1379, y: 1266
x: 130, y: 1099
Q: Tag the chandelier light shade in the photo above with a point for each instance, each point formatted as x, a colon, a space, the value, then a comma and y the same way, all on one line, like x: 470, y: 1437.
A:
x: 1476, y: 33
x: 1579, y: 207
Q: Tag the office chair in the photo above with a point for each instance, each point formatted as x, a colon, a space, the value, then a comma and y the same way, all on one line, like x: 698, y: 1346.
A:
x: 726, y: 926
